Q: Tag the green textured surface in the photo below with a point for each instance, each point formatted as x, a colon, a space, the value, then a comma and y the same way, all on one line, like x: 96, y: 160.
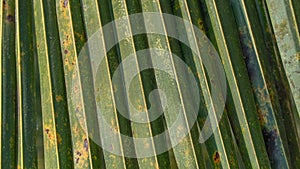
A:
x: 58, y: 88
x: 49, y: 111
x: 49, y: 130
x: 25, y: 63
x: 80, y: 139
x: 286, y: 31
x: 9, y: 100
x: 241, y: 106
x: 254, y: 51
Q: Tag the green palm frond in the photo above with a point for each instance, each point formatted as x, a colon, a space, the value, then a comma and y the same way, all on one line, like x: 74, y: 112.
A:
x: 50, y: 104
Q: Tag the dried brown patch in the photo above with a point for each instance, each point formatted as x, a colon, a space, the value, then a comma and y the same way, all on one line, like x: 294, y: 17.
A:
x: 216, y: 158
x: 59, y: 98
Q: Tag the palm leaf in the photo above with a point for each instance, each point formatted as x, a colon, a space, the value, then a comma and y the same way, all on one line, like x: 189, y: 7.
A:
x: 52, y: 93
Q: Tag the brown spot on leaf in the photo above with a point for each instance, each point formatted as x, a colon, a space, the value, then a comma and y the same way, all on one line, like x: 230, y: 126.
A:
x: 65, y: 4
x: 47, y: 131
x: 10, y: 18
x: 76, y: 89
x: 216, y: 157
x: 86, y: 144
x: 58, y: 138
x: 66, y: 51
x: 59, y: 98
x: 78, y: 153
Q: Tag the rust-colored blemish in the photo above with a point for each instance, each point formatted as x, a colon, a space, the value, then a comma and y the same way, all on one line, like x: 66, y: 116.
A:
x: 66, y: 51
x: 59, y: 98
x: 48, y: 133
x: 78, y: 153
x: 5, y: 5
x: 79, y: 35
x: 86, y: 144
x: 216, y: 157
x: 201, y: 24
x: 261, y: 118
x: 140, y: 108
x: 65, y: 3
x: 59, y: 139
x: 77, y: 160
x: 76, y: 89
